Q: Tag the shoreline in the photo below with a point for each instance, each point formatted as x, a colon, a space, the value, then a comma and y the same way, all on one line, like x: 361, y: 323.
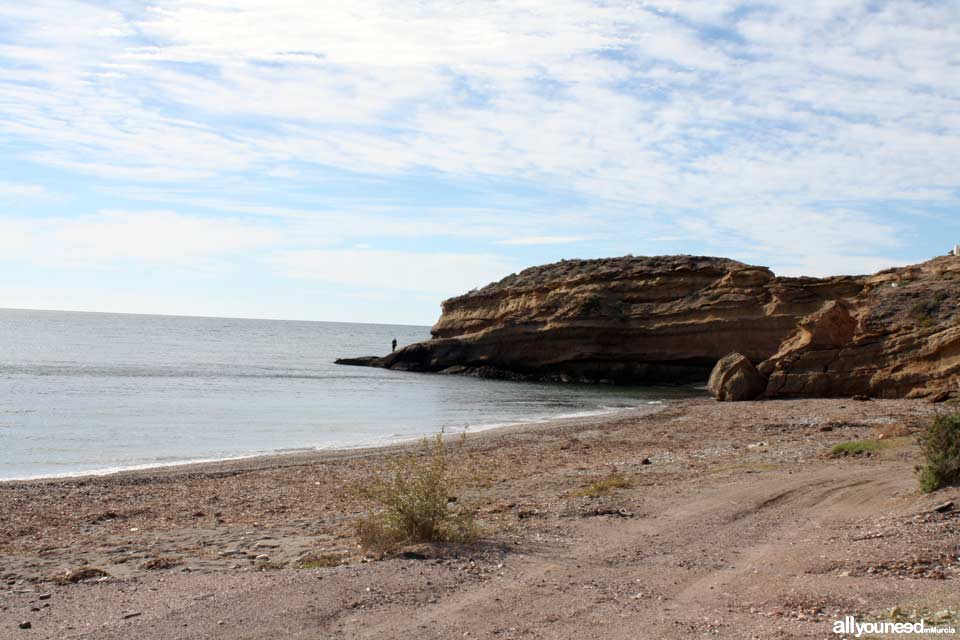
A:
x: 310, y: 455
x: 729, y: 519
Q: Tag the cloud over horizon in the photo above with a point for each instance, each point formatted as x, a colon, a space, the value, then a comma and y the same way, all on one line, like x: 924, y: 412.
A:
x: 271, y: 138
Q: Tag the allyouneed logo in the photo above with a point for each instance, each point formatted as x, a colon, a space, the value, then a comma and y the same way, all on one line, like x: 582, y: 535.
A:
x: 849, y: 626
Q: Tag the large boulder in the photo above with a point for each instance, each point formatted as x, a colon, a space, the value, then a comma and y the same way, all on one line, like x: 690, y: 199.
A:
x: 734, y: 378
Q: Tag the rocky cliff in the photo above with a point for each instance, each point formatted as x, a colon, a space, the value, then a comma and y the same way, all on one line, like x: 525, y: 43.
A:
x: 670, y: 319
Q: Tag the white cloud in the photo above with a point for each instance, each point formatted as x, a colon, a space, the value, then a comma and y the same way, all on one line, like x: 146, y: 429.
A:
x: 616, y: 99
x: 833, y: 264
x: 442, y: 274
x: 502, y: 89
x: 777, y: 132
x: 361, y: 220
x: 535, y: 240
x: 796, y: 241
x: 160, y: 237
x: 16, y: 190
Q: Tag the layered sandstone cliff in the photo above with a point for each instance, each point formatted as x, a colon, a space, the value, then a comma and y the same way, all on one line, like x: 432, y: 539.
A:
x: 670, y: 319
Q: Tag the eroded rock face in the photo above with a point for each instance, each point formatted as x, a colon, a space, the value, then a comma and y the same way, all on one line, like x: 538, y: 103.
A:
x: 670, y: 319
x: 734, y: 378
x: 899, y: 338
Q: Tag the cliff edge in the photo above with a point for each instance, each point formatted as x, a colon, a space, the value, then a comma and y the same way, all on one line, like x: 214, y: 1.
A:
x: 671, y: 319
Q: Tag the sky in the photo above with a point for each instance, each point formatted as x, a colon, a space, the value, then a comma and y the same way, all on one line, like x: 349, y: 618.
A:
x: 363, y: 160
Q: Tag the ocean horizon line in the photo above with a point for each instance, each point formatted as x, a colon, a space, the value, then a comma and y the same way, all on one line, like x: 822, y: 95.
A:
x: 206, y: 317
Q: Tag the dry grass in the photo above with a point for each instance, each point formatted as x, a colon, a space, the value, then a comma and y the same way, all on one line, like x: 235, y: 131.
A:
x: 894, y: 430
x: 604, y: 486
x: 321, y: 560
x: 415, y: 502
x: 163, y: 562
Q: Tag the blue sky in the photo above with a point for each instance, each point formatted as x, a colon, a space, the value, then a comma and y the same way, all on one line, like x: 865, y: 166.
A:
x: 363, y: 160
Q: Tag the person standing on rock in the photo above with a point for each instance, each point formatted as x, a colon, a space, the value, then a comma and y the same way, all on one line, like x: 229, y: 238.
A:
x: 393, y: 345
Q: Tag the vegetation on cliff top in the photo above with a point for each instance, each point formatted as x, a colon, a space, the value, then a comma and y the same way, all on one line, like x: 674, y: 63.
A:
x: 570, y: 271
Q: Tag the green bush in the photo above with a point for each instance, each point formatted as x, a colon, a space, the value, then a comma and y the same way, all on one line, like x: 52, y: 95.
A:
x: 940, y: 447
x: 856, y: 448
x: 415, y: 503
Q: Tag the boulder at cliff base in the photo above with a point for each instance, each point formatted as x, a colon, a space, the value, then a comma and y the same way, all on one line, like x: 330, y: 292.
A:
x: 734, y: 379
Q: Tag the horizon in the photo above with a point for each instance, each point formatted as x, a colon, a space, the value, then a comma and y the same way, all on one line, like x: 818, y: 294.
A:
x: 172, y: 315
x: 397, y: 324
x: 362, y: 162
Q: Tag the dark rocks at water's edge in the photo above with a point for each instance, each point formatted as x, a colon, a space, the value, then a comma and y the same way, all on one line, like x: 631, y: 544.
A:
x: 676, y: 319
x: 365, y: 361
x: 633, y: 375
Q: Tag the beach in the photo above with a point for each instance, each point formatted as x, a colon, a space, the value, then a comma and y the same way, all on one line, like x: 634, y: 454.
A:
x: 479, y: 320
x: 735, y: 521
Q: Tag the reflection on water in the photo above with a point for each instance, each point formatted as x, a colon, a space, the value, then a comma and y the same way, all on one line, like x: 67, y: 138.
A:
x: 81, y: 392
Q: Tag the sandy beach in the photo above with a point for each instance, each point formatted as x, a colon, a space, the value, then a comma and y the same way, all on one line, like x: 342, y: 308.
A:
x: 737, y: 522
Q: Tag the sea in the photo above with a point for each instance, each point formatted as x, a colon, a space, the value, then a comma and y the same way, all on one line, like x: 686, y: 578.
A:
x: 96, y: 393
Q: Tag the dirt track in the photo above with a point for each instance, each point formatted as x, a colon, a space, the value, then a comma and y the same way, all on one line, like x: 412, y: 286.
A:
x: 741, y: 529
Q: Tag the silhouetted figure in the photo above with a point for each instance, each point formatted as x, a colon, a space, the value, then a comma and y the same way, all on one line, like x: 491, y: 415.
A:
x: 393, y: 345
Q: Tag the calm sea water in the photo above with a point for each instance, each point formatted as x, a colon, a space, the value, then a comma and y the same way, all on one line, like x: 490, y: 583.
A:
x: 90, y: 392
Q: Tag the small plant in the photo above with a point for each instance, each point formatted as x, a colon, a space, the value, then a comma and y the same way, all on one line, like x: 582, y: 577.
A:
x: 415, y: 501
x: 321, y: 560
x: 591, y: 305
x: 940, y: 448
x: 163, y: 562
x: 269, y: 565
x: 925, y: 310
x: 856, y: 448
x: 893, y: 430
x: 603, y: 487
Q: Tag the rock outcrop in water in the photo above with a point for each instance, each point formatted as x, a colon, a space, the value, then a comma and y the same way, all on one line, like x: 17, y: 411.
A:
x: 670, y: 319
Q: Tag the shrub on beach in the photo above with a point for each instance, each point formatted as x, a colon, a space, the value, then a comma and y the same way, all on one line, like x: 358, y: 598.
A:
x: 604, y: 486
x: 415, y: 504
x: 856, y: 448
x: 940, y: 447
